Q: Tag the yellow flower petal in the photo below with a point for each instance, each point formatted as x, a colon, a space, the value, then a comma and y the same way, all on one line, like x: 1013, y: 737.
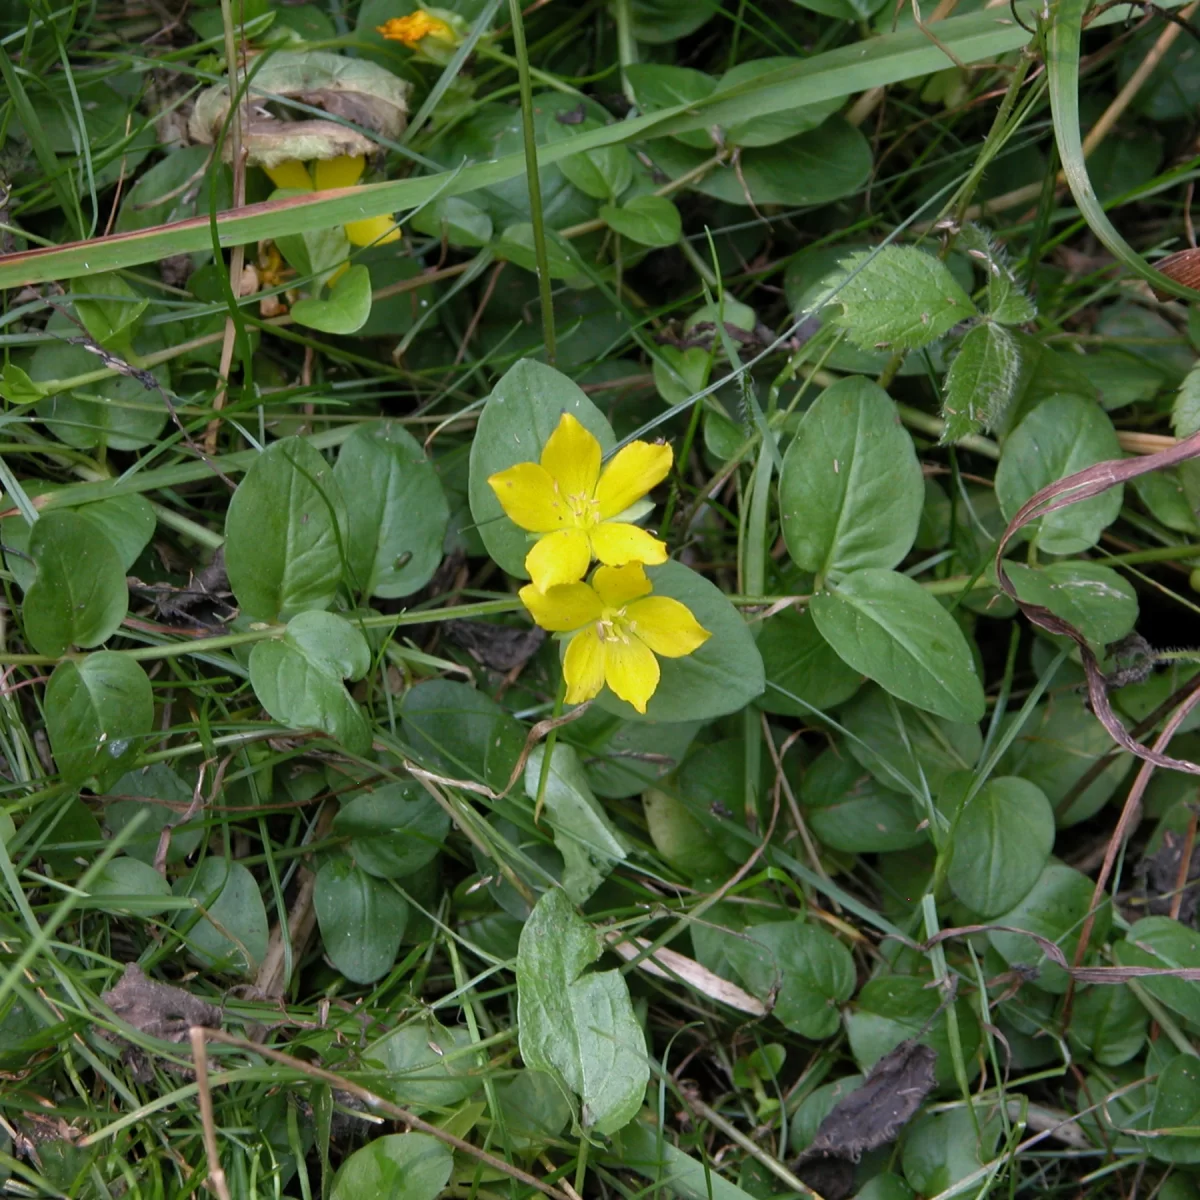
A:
x: 344, y: 171
x: 583, y: 667
x: 631, y: 671
x: 666, y: 626
x: 631, y: 474
x: 562, y: 609
x: 616, y: 586
x: 372, y: 231
x: 526, y: 493
x: 615, y: 543
x: 572, y: 456
x: 558, y: 558
x: 290, y: 174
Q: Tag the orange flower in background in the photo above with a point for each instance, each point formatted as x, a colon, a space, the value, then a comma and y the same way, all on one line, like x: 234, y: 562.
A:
x: 619, y: 627
x: 576, y: 507
x: 414, y: 29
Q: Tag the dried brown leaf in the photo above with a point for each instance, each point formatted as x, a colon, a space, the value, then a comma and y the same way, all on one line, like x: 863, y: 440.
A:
x: 369, y: 97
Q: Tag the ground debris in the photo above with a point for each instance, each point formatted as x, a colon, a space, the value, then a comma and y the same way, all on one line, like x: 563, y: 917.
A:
x: 1159, y: 874
x: 869, y: 1117
x: 499, y: 647
x: 205, y: 600
x: 157, y: 1009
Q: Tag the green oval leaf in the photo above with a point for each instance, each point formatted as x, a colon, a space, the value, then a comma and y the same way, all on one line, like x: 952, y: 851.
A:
x: 127, y: 521
x: 825, y: 164
x: 801, y: 666
x: 850, y: 492
x: 575, y: 1024
x: 97, y: 711
x: 1062, y: 435
x: 622, y: 758
x: 298, y: 678
x: 362, y: 920
x: 346, y: 308
x: 232, y: 935
x: 647, y: 220
x: 456, y: 219
x: 394, y: 829
x: 1055, y: 908
x: 1161, y: 942
x: 520, y: 415
x: 603, y: 173
x: 889, y: 628
x: 78, y: 597
x: 117, y: 412
x: 1093, y: 598
x: 805, y: 970
x: 661, y: 85
x: 901, y: 745
x: 1056, y: 748
x: 158, y: 795
x: 1001, y: 843
x: 424, y: 1067
x: 518, y: 245
x: 943, y: 1148
x: 128, y: 885
x: 1177, y: 1106
x: 889, y: 1009
x: 775, y: 127
x: 283, y: 533
x: 413, y: 1165
x: 1110, y: 1023
x: 457, y: 729
x: 848, y: 810
x: 396, y: 508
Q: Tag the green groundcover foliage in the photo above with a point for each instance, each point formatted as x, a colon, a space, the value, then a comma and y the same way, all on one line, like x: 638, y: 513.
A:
x: 598, y: 600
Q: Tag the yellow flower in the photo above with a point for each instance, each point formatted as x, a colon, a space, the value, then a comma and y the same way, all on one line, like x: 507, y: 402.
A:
x: 568, y: 500
x: 341, y: 172
x: 416, y: 27
x: 621, y: 627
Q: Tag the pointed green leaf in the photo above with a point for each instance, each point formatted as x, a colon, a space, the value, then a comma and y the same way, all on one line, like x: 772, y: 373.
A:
x: 851, y: 492
x: 897, y: 297
x: 889, y: 628
x: 981, y: 382
x: 97, y: 711
x: 362, y: 920
x: 78, y: 597
x: 298, y: 678
x: 578, y: 1025
x: 283, y: 533
x: 345, y: 310
x: 396, y: 507
x: 590, y: 846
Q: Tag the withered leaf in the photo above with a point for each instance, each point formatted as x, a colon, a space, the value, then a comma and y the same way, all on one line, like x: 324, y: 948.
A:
x: 1160, y: 874
x: 873, y: 1114
x: 354, y: 89
x: 830, y: 1178
x: 158, y: 1009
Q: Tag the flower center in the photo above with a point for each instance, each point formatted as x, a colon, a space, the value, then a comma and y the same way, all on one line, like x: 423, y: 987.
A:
x: 614, y: 626
x: 584, y: 510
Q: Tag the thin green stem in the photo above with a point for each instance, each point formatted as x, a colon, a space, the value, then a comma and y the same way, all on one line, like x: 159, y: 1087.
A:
x: 531, y: 174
